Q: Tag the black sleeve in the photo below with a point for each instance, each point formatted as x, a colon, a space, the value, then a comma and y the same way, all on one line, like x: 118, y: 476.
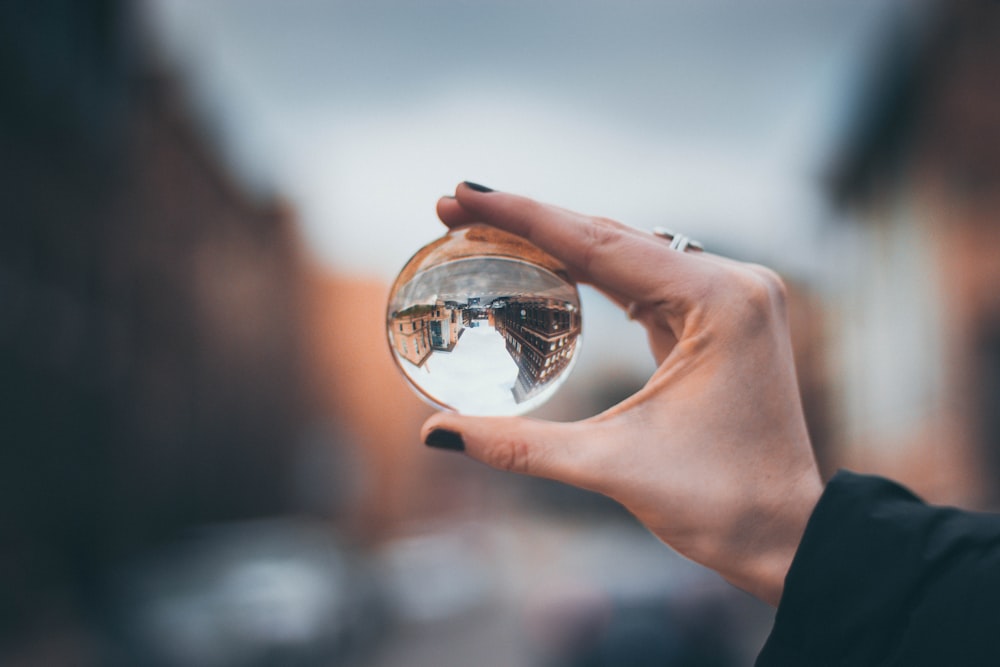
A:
x: 881, y: 578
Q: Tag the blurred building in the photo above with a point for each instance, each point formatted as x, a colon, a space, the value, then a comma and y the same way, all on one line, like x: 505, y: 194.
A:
x: 919, y: 341
x: 393, y: 480
x: 152, y: 379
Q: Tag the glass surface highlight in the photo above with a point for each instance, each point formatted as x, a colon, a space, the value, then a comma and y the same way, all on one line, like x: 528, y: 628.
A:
x: 484, y: 323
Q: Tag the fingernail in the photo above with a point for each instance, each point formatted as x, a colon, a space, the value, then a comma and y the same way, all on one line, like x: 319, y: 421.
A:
x: 477, y: 187
x: 442, y: 439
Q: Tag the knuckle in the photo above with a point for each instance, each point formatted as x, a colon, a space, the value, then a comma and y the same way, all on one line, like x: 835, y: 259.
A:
x: 777, y: 291
x: 597, y: 236
x: 761, y: 295
x: 510, y: 455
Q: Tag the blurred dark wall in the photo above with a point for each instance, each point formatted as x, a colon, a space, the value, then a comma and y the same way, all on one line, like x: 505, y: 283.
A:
x: 149, y: 333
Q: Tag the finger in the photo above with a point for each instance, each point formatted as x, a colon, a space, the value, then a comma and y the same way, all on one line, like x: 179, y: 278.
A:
x: 560, y: 451
x: 452, y: 214
x: 616, y: 258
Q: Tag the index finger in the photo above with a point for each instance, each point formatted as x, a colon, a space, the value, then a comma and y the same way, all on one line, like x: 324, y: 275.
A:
x: 605, y: 253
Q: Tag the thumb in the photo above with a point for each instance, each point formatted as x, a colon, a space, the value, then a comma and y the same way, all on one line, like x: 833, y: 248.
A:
x: 560, y: 451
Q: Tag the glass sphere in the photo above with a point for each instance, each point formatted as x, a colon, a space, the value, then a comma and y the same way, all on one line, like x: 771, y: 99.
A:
x: 484, y: 323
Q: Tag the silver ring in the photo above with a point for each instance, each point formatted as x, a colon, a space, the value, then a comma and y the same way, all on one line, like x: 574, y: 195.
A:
x: 678, y: 242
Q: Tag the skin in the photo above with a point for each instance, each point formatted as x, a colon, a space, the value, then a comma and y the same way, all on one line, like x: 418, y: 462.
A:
x: 712, y: 454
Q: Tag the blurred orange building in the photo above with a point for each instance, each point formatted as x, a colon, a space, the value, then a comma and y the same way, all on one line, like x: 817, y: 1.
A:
x: 355, y: 382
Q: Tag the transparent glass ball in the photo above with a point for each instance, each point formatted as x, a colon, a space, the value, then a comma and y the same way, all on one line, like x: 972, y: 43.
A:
x: 484, y: 323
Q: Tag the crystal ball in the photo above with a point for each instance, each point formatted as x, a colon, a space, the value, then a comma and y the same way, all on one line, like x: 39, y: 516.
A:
x: 482, y: 322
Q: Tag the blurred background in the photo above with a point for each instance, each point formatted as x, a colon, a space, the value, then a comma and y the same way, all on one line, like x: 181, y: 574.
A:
x: 207, y: 455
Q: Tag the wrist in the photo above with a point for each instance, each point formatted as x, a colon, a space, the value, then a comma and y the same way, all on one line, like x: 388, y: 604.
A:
x: 763, y: 545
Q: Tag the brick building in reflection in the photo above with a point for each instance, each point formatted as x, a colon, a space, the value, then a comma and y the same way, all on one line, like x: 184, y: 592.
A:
x: 540, y: 335
x: 420, y: 329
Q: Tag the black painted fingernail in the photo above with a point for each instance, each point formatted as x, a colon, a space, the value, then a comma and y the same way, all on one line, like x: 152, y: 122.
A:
x: 477, y: 187
x: 442, y: 439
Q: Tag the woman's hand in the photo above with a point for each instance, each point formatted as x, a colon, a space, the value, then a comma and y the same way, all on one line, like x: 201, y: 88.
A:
x: 712, y: 454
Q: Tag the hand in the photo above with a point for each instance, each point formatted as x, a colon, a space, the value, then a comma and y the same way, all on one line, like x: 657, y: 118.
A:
x: 712, y: 454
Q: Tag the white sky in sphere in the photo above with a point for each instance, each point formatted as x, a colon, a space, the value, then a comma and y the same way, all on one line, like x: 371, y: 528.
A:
x: 476, y: 377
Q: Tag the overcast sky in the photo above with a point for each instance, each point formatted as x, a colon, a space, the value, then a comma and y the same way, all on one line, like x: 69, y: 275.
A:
x: 713, y: 117
x: 709, y: 116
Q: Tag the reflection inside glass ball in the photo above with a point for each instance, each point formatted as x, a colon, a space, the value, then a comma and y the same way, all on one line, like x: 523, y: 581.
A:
x: 484, y: 323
